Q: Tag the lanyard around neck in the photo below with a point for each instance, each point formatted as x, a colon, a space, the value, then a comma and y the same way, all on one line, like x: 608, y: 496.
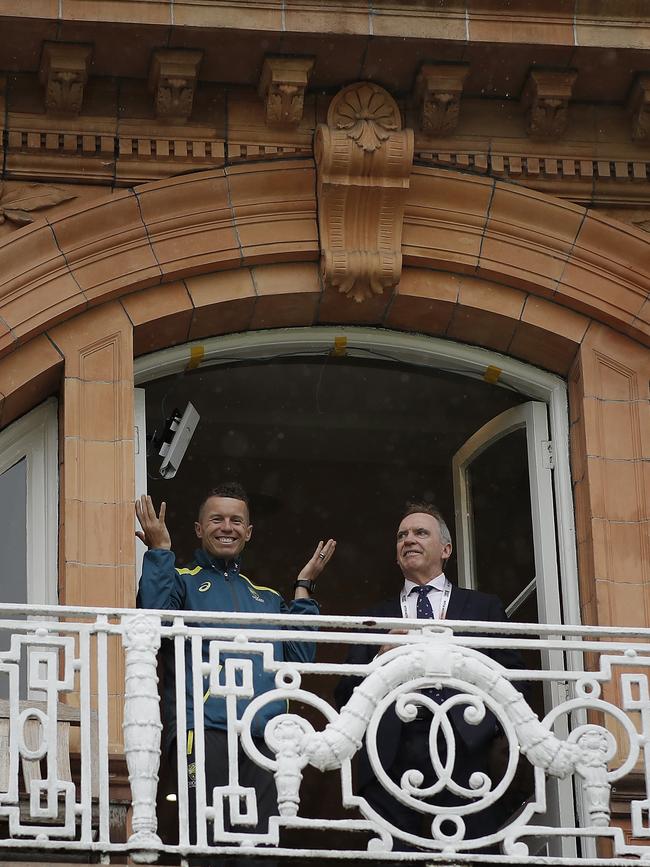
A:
x: 446, y: 593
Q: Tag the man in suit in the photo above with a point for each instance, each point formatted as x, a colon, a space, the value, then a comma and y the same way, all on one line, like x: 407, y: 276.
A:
x: 423, y: 547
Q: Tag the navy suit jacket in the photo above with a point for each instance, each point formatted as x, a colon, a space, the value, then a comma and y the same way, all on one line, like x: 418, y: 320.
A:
x: 463, y: 605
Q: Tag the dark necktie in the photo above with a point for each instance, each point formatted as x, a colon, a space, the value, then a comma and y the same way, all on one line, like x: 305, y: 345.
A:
x: 424, y: 609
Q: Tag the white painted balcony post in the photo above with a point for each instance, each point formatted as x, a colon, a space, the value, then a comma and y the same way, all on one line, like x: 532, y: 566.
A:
x: 142, y: 727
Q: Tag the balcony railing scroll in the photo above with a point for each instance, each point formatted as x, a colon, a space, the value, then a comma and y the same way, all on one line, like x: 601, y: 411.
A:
x: 62, y: 663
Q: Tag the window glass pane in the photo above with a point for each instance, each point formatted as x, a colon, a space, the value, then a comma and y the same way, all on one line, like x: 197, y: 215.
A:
x: 13, y: 544
x: 325, y: 447
x: 503, y: 532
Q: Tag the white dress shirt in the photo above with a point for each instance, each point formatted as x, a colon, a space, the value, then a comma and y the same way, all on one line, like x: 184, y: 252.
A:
x: 435, y: 595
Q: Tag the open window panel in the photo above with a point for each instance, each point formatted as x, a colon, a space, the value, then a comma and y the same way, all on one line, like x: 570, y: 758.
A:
x: 506, y: 545
x: 28, y: 519
x: 140, y: 448
x: 331, y: 445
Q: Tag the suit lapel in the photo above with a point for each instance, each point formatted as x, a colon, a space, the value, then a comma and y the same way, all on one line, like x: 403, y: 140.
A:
x: 388, y: 608
x: 394, y: 609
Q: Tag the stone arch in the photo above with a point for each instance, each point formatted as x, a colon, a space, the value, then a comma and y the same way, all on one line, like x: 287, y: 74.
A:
x: 238, y: 248
x: 250, y: 215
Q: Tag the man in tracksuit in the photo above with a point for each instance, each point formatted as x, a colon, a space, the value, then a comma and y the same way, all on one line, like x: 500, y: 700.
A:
x: 214, y: 583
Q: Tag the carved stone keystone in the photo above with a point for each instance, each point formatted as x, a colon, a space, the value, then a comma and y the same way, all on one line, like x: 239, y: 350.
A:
x: 363, y: 160
x: 546, y: 102
x: 639, y: 107
x: 172, y: 79
x: 438, y: 90
x: 64, y: 73
x: 282, y: 86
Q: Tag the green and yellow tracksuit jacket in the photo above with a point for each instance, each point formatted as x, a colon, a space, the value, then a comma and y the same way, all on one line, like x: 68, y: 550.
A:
x: 212, y: 586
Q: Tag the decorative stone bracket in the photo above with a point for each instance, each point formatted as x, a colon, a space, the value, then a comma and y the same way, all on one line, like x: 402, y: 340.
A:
x: 64, y: 72
x: 639, y: 108
x: 172, y: 79
x: 546, y: 101
x: 438, y: 90
x: 282, y: 87
x: 363, y: 159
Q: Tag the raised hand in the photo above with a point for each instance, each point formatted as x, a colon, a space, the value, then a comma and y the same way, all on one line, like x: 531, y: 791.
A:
x: 154, y: 530
x: 318, y: 561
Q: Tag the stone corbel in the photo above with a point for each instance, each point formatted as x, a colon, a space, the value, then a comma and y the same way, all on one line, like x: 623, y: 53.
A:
x: 546, y: 101
x: 64, y: 73
x: 173, y: 76
x: 438, y: 90
x: 639, y: 107
x: 363, y: 159
x: 282, y: 87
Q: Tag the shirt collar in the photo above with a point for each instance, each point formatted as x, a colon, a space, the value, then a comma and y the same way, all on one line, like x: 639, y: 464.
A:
x: 437, y: 584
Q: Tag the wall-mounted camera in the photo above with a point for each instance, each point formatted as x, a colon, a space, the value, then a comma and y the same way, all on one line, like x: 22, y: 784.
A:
x: 175, y: 438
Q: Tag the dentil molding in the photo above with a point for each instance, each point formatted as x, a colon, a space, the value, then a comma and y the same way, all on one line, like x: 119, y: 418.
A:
x: 363, y: 160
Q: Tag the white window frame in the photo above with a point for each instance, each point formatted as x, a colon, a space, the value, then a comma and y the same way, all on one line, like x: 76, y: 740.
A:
x: 140, y: 438
x: 420, y: 351
x: 34, y: 437
x: 531, y: 418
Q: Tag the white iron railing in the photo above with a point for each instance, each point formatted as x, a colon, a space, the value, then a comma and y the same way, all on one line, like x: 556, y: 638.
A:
x: 64, y: 663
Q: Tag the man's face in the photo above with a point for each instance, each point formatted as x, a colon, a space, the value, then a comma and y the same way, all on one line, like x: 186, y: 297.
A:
x: 421, y: 554
x: 223, y: 527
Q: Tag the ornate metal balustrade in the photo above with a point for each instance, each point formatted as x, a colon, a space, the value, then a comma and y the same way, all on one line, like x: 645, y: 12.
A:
x: 62, y: 666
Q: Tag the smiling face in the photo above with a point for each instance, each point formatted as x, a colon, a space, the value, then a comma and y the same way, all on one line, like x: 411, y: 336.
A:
x: 421, y: 553
x: 223, y: 527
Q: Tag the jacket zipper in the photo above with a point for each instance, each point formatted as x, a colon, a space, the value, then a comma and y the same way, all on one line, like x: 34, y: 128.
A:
x: 232, y: 593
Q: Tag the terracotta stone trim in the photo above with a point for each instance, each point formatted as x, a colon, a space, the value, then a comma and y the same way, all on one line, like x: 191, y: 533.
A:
x: 609, y: 393
x: 133, y: 159
x: 103, y: 156
x: 64, y: 73
x: 266, y: 213
x: 28, y: 376
x: 546, y: 98
x: 96, y: 541
x: 241, y: 151
x: 173, y: 77
x: 577, y: 179
x: 282, y: 86
x: 460, y: 21
x: 639, y: 108
x: 363, y: 160
x: 438, y: 92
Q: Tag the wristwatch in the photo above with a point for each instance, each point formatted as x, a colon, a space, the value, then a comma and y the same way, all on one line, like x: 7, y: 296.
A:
x: 309, y: 586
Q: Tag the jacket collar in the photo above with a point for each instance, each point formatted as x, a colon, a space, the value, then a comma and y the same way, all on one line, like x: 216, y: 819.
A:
x: 204, y: 559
